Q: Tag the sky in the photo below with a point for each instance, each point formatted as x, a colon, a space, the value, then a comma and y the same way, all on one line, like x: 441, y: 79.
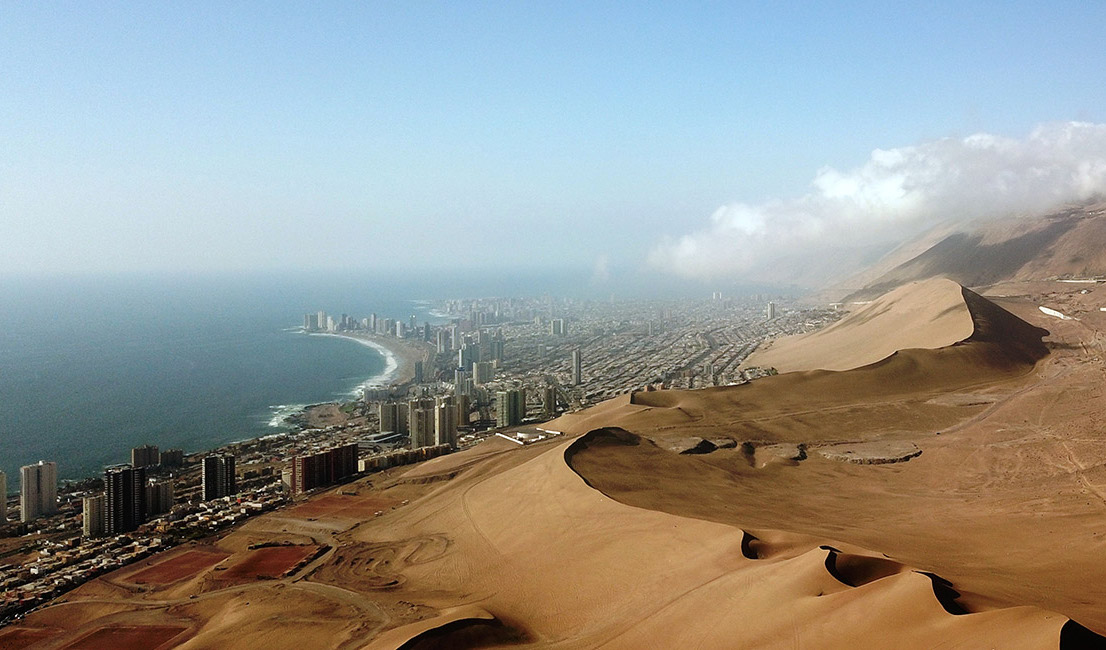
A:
x: 695, y: 140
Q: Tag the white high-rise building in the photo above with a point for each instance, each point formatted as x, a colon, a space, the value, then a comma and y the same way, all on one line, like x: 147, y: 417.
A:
x: 445, y: 422
x: 3, y: 498
x: 38, y: 490
x: 94, y: 513
x: 482, y: 372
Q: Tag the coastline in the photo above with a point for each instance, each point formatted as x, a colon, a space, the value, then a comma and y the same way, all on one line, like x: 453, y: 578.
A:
x: 399, y: 355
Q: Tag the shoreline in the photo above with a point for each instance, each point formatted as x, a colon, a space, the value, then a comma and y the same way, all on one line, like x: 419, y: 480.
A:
x: 399, y: 355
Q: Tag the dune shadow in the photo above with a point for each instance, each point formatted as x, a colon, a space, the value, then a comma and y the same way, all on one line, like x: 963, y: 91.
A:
x: 467, y: 634
x: 1074, y: 636
x: 857, y: 570
x: 945, y: 594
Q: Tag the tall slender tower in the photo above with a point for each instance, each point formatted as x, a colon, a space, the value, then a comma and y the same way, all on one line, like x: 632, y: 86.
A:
x: 125, y: 489
x: 38, y: 490
x: 577, y: 375
x: 3, y: 498
x: 94, y: 512
x: 445, y: 422
x: 218, y: 477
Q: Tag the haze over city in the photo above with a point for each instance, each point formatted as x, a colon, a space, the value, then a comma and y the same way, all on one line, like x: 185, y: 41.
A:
x: 621, y: 140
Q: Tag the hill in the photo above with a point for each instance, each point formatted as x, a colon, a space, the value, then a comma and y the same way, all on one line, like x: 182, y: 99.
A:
x: 1064, y: 243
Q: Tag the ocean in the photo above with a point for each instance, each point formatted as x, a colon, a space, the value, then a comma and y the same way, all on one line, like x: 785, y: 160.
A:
x: 90, y: 367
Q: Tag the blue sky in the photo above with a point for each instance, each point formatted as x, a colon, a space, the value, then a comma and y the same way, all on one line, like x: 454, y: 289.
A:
x: 223, y: 136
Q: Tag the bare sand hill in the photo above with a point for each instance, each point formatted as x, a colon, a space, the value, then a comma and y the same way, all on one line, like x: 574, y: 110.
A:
x: 1067, y: 242
x: 991, y: 537
x: 926, y: 314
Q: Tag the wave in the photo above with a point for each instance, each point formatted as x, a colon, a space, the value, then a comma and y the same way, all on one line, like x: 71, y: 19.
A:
x: 281, y: 412
x: 391, y: 363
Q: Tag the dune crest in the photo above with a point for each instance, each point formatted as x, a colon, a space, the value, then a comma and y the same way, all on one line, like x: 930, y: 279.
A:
x: 928, y: 314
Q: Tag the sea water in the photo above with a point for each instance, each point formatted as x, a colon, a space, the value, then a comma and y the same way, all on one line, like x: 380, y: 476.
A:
x: 92, y: 366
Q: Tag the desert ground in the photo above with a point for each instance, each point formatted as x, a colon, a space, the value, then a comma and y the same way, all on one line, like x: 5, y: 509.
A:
x: 929, y: 472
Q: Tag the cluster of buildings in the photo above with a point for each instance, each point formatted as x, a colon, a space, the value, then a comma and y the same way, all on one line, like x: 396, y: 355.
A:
x: 590, y: 351
x: 502, y: 362
x: 58, y: 566
x: 323, y: 322
x: 425, y: 421
x: 130, y: 498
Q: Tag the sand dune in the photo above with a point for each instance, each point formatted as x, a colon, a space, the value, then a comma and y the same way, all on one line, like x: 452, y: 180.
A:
x: 927, y: 314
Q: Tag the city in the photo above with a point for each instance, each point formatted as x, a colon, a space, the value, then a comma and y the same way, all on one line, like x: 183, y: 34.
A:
x: 498, y: 366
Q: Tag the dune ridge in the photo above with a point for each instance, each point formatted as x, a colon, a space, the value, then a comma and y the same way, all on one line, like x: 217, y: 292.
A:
x: 928, y: 314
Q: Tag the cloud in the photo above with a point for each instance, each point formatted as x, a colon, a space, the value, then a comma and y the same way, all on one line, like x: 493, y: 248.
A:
x: 601, y: 272
x: 895, y: 193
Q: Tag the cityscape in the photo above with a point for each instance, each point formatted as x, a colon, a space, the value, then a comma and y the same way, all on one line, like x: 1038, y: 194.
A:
x: 496, y: 366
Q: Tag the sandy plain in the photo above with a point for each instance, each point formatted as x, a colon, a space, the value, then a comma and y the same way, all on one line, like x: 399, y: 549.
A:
x: 992, y: 536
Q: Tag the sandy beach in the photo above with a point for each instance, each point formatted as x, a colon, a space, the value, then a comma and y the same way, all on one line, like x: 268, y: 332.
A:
x: 400, y: 356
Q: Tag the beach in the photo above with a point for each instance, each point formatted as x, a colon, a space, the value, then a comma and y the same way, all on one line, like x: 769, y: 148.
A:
x: 400, y: 356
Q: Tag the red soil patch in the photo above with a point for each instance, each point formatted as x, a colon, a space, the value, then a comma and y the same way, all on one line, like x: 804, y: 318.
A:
x: 343, y: 506
x: 267, y: 562
x: 126, y: 637
x: 175, y: 568
x: 17, y: 638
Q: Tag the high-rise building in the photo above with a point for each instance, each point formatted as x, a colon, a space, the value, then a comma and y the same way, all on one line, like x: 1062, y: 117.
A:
x: 445, y: 421
x: 3, y: 498
x: 468, y: 355
x: 94, y: 515
x: 389, y: 417
x: 482, y: 372
x: 443, y: 341
x: 422, y: 426
x: 418, y: 371
x: 496, y: 349
x: 549, y: 402
x: 219, y: 479
x: 323, y: 468
x: 145, y: 456
x: 125, y: 489
x: 172, y: 458
x: 38, y: 490
x: 159, y: 496
x: 557, y: 327
x: 771, y: 311
x: 463, y: 407
x: 322, y: 319
x: 577, y: 362
x: 510, y: 407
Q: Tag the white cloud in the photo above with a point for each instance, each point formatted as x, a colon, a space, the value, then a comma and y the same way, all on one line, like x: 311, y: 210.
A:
x: 895, y: 193
x: 601, y: 272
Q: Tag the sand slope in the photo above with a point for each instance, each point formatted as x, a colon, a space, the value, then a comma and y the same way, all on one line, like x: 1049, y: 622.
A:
x: 1067, y: 242
x: 926, y: 314
x: 560, y: 565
